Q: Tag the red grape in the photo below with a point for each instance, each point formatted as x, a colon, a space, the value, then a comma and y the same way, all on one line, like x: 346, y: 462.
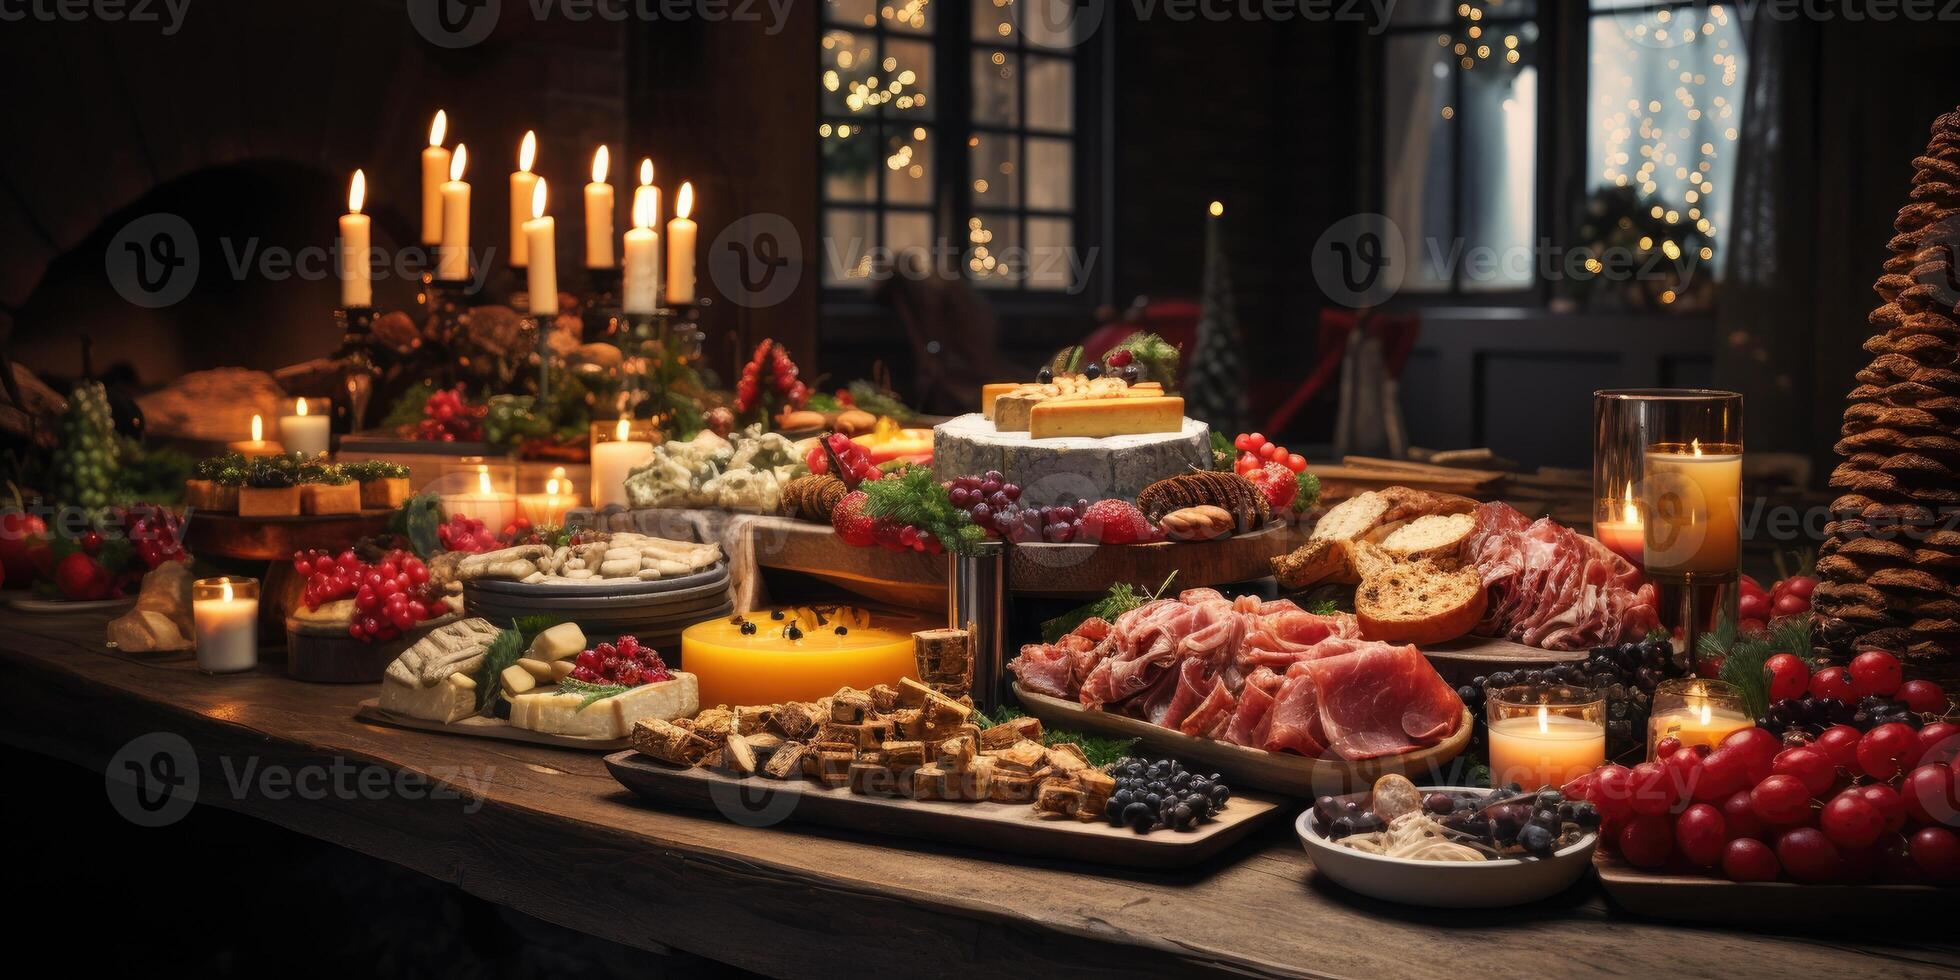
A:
x: 1887, y: 750
x: 1653, y: 791
x: 1700, y: 833
x: 1808, y: 764
x: 1832, y: 682
x: 1685, y: 772
x: 1939, y: 742
x: 1924, y: 697
x: 1739, y: 816
x: 1752, y: 605
x: 1875, y: 672
x: 1665, y: 748
x: 1781, y: 800
x: 1799, y: 585
x: 1647, y: 841
x: 1612, y: 791
x: 1851, y: 821
x: 1725, y: 771
x: 1887, y: 801
x: 1789, y: 605
x: 1840, y: 742
x: 1930, y: 795
x: 1809, y: 855
x: 1937, y: 853
x: 1748, y: 859
x: 1789, y: 677
x: 1758, y: 747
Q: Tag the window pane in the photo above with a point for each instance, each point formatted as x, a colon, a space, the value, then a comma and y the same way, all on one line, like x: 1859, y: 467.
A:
x: 1665, y: 109
x: 993, y: 21
x: 909, y: 16
x: 1417, y: 192
x: 908, y: 164
x: 848, y: 240
x: 993, y: 241
x: 1051, y: 94
x: 905, y: 76
x: 845, y: 58
x: 1499, y: 134
x: 996, y: 88
x: 908, y: 235
x: 992, y: 159
x: 849, y: 161
x: 1047, y: 23
x: 1439, y: 13
x: 857, y: 13
x: 1051, y: 178
x: 1049, y: 254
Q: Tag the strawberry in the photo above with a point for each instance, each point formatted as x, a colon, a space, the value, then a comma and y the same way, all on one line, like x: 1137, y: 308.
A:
x: 79, y: 576
x: 1115, y: 522
x: 1278, y: 482
x: 848, y: 518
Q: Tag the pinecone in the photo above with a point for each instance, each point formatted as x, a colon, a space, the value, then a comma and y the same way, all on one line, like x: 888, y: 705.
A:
x: 1889, y: 563
x: 812, y: 497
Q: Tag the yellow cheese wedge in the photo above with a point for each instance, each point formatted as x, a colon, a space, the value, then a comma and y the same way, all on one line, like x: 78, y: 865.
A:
x: 546, y: 710
x: 557, y: 643
x: 1095, y: 418
x: 447, y: 700
x: 989, y: 392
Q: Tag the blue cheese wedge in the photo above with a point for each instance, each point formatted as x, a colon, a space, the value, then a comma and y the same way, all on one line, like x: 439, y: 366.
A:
x: 547, y: 710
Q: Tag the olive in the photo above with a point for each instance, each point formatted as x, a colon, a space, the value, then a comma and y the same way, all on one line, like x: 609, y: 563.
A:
x: 1438, y: 803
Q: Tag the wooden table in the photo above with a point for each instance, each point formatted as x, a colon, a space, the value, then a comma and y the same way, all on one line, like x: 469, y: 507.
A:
x: 547, y: 832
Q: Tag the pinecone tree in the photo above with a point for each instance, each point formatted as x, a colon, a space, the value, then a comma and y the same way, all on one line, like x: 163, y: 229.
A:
x: 1215, y: 388
x: 1890, y: 562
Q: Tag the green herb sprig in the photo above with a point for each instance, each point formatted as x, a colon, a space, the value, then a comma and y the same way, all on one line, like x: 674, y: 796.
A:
x: 915, y: 497
x: 504, y: 651
x: 1100, y: 750
x: 589, y: 693
x: 1744, y: 657
x: 1309, y: 494
x: 1121, y: 598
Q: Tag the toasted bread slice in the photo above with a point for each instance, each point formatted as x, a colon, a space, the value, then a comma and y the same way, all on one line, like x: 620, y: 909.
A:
x: 1415, y: 602
x: 1409, y: 503
x: 1351, y: 519
x: 1433, y: 536
x: 1311, y: 564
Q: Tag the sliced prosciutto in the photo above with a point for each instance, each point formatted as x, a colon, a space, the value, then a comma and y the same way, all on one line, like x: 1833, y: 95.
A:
x: 1382, y: 699
x: 1552, y: 587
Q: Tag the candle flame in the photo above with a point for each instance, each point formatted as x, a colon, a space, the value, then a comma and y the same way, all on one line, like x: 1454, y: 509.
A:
x: 1706, y: 714
x: 456, y: 162
x: 1217, y: 208
x: 258, y: 429
x: 483, y: 479
x: 646, y: 171
x: 439, y: 128
x: 551, y: 486
x: 643, y: 210
x: 1628, y: 512
x: 622, y: 432
x: 527, y: 152
x: 1544, y: 720
x: 537, y: 199
x: 601, y: 162
x: 356, y: 192
x: 684, y: 201
x: 1695, y: 444
x: 225, y: 595
x: 299, y: 406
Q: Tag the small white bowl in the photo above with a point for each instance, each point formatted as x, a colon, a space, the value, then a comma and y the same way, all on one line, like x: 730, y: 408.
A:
x: 1446, y: 884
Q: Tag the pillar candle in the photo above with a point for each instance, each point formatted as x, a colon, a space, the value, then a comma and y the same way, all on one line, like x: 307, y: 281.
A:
x: 522, y: 184
x: 257, y: 445
x: 548, y: 509
x: 455, y: 257
x: 612, y: 461
x: 435, y: 167
x: 1545, y: 749
x: 301, y: 432
x: 1694, y: 508
x: 599, y: 214
x: 541, y: 276
x: 227, y: 626
x: 680, y: 248
x: 640, y: 286
x: 356, y: 278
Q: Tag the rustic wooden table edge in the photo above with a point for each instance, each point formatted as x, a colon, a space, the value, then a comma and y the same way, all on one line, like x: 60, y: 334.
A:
x: 549, y: 833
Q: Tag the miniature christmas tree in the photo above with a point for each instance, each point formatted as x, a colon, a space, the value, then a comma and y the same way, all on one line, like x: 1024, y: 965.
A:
x: 1215, y: 390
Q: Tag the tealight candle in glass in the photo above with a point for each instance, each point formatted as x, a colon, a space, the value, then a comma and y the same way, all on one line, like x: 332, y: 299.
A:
x: 1696, y: 710
x: 225, y: 612
x: 480, y: 487
x: 1545, y: 734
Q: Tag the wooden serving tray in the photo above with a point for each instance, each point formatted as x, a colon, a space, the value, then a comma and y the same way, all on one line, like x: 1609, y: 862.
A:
x: 1087, y: 570
x: 1281, y: 772
x: 482, y: 727
x: 1708, y: 900
x: 276, y: 538
x: 1465, y: 657
x: 1011, y: 827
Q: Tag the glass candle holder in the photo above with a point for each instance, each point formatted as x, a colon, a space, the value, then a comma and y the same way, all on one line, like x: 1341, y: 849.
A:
x: 1696, y: 710
x: 543, y: 500
x: 1667, y: 474
x: 1545, y: 734
x: 225, y: 613
x: 618, y: 446
x: 481, y: 487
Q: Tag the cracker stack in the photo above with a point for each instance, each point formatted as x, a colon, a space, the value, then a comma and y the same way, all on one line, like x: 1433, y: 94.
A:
x: 1890, y: 563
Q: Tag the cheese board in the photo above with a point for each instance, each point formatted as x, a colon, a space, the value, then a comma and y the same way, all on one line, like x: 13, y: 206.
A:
x: 1280, y: 772
x: 1086, y: 570
x: 1706, y: 900
x: 1009, y: 827
x: 479, y: 726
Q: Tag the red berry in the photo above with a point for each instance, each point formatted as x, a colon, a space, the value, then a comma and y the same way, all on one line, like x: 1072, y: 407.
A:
x: 1936, y: 851
x: 1924, y: 697
x: 1810, y: 765
x: 1666, y: 747
x: 1832, y: 682
x: 1243, y: 442
x: 1758, y: 749
x: 1781, y: 800
x: 1748, y: 859
x: 1653, y: 792
x: 1939, y: 742
x: 1887, y: 801
x: 1752, y: 605
x: 1875, y: 672
x: 1850, y: 821
x: 1931, y: 796
x: 1789, y: 677
x: 1647, y: 841
x: 1808, y: 855
x: 1840, y: 742
x: 1700, y: 833
x: 1888, y: 750
x: 1739, y: 816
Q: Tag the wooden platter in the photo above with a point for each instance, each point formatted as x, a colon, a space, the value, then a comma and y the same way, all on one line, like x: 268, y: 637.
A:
x: 757, y: 801
x: 276, y: 538
x: 1470, y: 656
x: 34, y: 605
x: 1707, y: 900
x: 1087, y: 570
x: 655, y: 611
x: 1280, y: 772
x: 479, y: 726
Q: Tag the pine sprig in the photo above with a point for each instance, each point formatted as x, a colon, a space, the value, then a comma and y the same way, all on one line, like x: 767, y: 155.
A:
x: 589, y: 693
x: 915, y: 497
x: 503, y: 652
x: 1745, y: 658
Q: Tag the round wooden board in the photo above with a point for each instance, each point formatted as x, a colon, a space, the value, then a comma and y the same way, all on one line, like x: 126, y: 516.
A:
x: 276, y: 538
x: 1087, y: 570
x: 1280, y: 772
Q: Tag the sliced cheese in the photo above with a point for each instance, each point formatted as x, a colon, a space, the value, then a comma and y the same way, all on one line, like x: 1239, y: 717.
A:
x: 539, y: 669
x: 546, y: 710
x: 1096, y: 418
x: 989, y: 392
x: 448, y: 700
x: 517, y: 680
x: 561, y: 669
x: 557, y: 643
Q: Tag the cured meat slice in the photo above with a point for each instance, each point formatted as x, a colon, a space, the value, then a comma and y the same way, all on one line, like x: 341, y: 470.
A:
x: 1255, y: 705
x: 1381, y: 700
x: 1550, y: 586
x: 1045, y: 669
x: 1293, y: 723
x: 1192, y: 688
x: 1212, y: 715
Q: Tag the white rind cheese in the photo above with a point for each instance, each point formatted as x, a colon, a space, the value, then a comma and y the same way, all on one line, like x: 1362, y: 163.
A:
x: 557, y: 643
x: 1067, y: 468
x: 545, y: 710
x: 448, y: 700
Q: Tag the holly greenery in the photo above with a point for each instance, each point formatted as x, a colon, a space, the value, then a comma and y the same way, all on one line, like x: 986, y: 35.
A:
x: 915, y: 497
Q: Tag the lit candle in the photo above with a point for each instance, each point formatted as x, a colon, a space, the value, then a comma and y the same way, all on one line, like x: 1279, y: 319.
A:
x: 226, y: 619
x: 304, y: 433
x: 454, y: 261
x: 256, y: 446
x: 548, y: 509
x: 612, y: 460
x: 435, y: 167
x: 522, y: 185
x: 1624, y: 536
x: 541, y: 274
x: 356, y: 278
x: 599, y: 214
x: 495, y: 508
x: 640, y: 284
x: 1693, y: 508
x: 680, y: 248
x: 1696, y: 711
x: 1545, y: 749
